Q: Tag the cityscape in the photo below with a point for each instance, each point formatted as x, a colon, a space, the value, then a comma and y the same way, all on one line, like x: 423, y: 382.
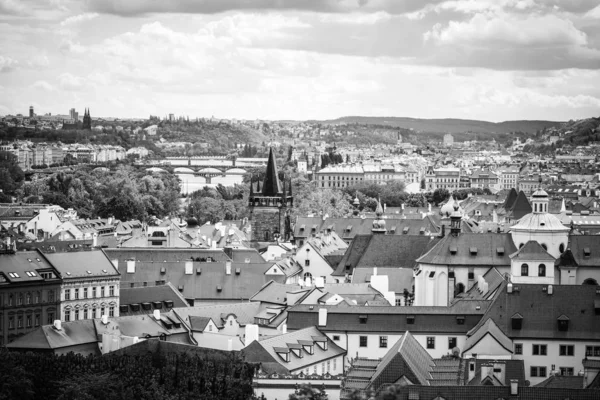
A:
x: 283, y: 200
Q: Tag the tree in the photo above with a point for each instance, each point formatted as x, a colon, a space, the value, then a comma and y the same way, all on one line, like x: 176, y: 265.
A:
x: 440, y: 195
x: 307, y: 392
x: 11, y: 175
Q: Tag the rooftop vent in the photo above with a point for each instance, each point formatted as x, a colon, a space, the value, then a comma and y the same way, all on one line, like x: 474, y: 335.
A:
x: 473, y: 251
x: 500, y: 251
x: 453, y: 250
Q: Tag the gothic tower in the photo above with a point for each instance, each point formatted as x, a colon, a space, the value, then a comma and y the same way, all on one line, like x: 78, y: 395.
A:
x: 87, y: 120
x: 270, y: 207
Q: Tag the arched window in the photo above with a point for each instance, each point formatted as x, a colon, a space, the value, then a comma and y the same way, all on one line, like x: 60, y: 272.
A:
x: 460, y: 288
x: 524, y: 270
x: 542, y: 270
x: 590, y: 281
x: 308, y: 278
x: 28, y: 298
x: 561, y: 248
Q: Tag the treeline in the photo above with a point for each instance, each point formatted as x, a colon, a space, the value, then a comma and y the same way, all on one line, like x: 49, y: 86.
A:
x: 152, y: 376
x: 125, y: 193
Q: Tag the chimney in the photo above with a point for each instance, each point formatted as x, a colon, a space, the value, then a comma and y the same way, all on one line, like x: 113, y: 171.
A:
x: 443, y: 233
x: 57, y: 324
x: 284, y: 329
x: 319, y: 282
x: 95, y: 240
x: 250, y: 333
x: 550, y: 289
x: 105, y: 319
x: 322, y: 317
x: 509, y: 288
x: 230, y: 345
x: 228, y: 267
x: 157, y: 315
x: 514, y: 387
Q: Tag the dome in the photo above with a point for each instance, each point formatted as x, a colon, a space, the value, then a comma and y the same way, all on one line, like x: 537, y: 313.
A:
x: 449, y: 208
x: 540, y: 193
x: 539, y: 222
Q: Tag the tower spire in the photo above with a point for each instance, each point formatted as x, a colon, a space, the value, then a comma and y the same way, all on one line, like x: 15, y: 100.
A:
x: 271, y: 186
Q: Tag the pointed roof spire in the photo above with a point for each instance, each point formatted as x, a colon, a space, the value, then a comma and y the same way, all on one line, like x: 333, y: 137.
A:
x: 271, y: 186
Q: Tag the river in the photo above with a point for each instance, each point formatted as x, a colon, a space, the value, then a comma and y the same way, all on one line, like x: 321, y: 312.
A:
x: 190, y: 183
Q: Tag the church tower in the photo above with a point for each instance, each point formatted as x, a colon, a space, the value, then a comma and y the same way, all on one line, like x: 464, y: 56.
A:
x: 270, y: 207
x: 87, y: 120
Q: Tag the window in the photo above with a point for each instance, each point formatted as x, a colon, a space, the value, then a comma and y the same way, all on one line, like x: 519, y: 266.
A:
x: 28, y: 321
x: 410, y: 320
x: 539, y: 350
x: 102, y: 311
x: 307, y: 263
x: 524, y: 270
x: 67, y: 315
x: 85, y: 293
x: 50, y: 319
x: 518, y: 348
x: 328, y: 365
x: 36, y: 299
x: 566, y: 350
x: 592, y: 351
x: 10, y: 299
x: 67, y: 294
x: 398, y: 301
x: 11, y: 322
x: 36, y: 320
x: 362, y: 319
x: 566, y: 371
x: 20, y: 321
x: 101, y: 291
x: 76, y: 294
x: 28, y: 298
x: 93, y: 314
x: 76, y: 315
x: 93, y: 292
x: 51, y: 296
x: 362, y: 341
x: 85, y: 314
x: 336, y: 337
x: 542, y: 270
x: 431, y: 342
x: 20, y: 300
x: 451, y: 343
x: 538, y: 372
x: 460, y: 320
x: 111, y: 291
x: 111, y: 311
x: 383, y: 342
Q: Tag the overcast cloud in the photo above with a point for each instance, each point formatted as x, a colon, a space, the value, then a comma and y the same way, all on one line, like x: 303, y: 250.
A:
x: 303, y: 59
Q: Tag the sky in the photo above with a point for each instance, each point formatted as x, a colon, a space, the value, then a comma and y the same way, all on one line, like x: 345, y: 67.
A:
x: 493, y: 60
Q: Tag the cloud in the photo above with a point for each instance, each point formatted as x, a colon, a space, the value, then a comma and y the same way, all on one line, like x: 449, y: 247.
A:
x: 12, y: 7
x: 140, y: 7
x: 75, y: 19
x: 547, y: 30
x: 7, y: 64
x: 43, y: 85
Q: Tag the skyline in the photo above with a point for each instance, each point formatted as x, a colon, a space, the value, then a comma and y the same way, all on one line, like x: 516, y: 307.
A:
x: 301, y: 60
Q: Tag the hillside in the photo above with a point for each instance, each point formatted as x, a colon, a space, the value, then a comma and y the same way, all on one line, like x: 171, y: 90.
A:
x: 449, y: 125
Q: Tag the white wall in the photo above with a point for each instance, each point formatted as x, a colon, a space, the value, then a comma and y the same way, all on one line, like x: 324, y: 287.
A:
x: 318, y: 265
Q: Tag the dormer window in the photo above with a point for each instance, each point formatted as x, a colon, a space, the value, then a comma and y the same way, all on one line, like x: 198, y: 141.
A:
x: 453, y: 250
x: 283, y: 352
x: 542, y: 270
x: 517, y: 321
x: 405, y: 230
x: 586, y: 252
x: 460, y: 320
x: 524, y: 270
x: 362, y: 319
x: 410, y: 319
x: 563, y: 323
x: 500, y: 251
x: 473, y: 251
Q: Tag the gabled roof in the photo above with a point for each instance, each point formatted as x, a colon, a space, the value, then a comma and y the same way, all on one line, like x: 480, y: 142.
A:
x: 142, y: 326
x: 387, y: 251
x: 273, y: 292
x: 47, y: 337
x: 580, y: 245
x: 494, y: 280
x: 405, y: 358
x: 22, y: 266
x: 398, y: 278
x: 243, y: 312
x: 510, y: 199
x: 150, y: 294
x: 532, y: 250
x: 493, y: 249
x: 307, y: 335
x: 520, y: 207
x: 513, y: 369
x: 489, y: 327
x: 563, y: 382
x: 165, y: 254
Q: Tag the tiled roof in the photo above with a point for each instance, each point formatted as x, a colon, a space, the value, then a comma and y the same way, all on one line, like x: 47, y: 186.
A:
x: 492, y: 249
x: 82, y: 264
x: 513, y: 370
x: 198, y: 324
x: 163, y: 254
x: 22, y: 266
x: 149, y: 294
x: 489, y: 327
x: 563, y: 382
x: 520, y: 207
x: 541, y: 310
x: 398, y: 278
x: 255, y: 353
x: 389, y: 251
x: 47, y: 337
x: 493, y: 278
x: 273, y: 344
x: 244, y: 312
x: 142, y: 326
x: 207, y: 280
x: 273, y: 292
x: 581, y: 245
x: 390, y: 319
x: 532, y: 250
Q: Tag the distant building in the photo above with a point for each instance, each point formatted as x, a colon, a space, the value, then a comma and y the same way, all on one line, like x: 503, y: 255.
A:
x: 442, y: 178
x: 74, y: 122
x: 448, y: 140
x: 74, y: 114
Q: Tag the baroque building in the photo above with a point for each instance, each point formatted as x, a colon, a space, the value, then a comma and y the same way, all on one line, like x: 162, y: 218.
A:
x: 270, y: 207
